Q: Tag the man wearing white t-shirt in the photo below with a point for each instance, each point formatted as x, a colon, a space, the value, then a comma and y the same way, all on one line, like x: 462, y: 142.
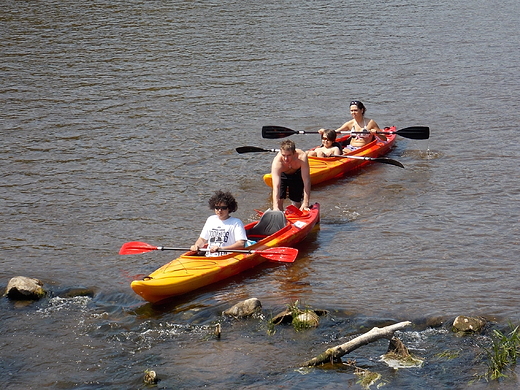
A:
x: 221, y: 231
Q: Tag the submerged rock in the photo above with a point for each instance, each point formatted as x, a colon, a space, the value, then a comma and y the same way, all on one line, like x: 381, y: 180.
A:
x: 398, y: 355
x: 244, y: 308
x: 218, y: 330
x: 76, y: 292
x: 468, y: 324
x: 24, y: 288
x: 285, y: 317
x: 295, y: 315
x: 307, y: 319
x: 150, y: 377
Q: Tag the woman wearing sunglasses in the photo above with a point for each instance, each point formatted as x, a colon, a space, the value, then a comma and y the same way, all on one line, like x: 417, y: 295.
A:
x: 221, y: 231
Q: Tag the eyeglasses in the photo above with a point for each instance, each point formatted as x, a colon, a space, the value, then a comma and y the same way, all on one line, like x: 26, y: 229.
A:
x: 221, y: 207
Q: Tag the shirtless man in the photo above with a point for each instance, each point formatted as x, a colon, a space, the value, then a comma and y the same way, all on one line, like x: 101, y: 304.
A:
x: 290, y: 170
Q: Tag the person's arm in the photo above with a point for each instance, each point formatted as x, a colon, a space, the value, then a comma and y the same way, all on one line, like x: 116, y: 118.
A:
x: 239, y: 232
x: 237, y: 245
x: 374, y: 128
x: 344, y: 127
x: 336, y: 151
x: 240, y: 236
x: 347, y: 126
x: 306, y: 177
x: 276, y: 169
x: 240, y: 244
x: 198, y: 244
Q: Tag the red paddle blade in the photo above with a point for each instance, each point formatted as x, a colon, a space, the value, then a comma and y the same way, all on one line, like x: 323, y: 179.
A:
x: 136, y: 247
x: 283, y: 254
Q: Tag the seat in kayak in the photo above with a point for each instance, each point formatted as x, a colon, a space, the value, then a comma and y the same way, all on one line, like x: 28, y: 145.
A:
x: 270, y: 222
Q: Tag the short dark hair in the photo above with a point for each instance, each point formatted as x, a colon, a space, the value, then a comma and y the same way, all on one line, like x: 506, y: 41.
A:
x: 226, y: 198
x: 330, y: 134
x: 288, y: 145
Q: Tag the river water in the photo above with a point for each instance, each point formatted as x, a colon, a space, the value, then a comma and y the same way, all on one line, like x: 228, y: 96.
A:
x: 119, y: 120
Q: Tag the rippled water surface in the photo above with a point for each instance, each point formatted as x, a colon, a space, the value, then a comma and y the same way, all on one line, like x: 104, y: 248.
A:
x: 120, y: 119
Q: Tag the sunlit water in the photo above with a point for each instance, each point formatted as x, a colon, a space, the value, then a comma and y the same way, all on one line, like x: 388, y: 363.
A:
x: 120, y: 119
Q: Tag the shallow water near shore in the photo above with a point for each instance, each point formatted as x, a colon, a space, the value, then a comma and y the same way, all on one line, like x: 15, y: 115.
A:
x: 120, y: 119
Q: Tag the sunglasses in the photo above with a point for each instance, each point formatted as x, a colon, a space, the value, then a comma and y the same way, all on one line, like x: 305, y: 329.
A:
x: 221, y: 207
x: 325, y: 139
x: 355, y: 103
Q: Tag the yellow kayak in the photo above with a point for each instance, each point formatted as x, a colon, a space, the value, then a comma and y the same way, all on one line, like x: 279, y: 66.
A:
x: 191, y: 271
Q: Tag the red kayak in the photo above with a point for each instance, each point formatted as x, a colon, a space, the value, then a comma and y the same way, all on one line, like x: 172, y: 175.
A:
x: 328, y: 168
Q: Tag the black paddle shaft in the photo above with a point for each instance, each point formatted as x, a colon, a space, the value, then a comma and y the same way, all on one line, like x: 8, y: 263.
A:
x: 413, y: 132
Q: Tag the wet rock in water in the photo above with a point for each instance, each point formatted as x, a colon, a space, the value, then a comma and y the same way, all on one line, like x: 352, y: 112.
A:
x: 24, y: 288
x: 307, y: 319
x: 285, y: 317
x: 218, y: 331
x: 76, y: 292
x: 289, y: 315
x: 398, y: 356
x: 468, y: 324
x: 397, y: 347
x: 150, y: 377
x: 422, y: 323
x: 244, y: 308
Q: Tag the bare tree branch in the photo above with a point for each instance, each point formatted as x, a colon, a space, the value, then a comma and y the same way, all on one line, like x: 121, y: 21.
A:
x: 374, y: 334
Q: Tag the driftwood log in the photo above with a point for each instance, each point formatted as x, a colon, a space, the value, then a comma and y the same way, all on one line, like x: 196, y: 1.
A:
x: 333, y: 354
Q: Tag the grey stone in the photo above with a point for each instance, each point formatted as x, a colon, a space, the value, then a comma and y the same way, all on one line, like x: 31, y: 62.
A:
x: 24, y: 288
x: 244, y: 308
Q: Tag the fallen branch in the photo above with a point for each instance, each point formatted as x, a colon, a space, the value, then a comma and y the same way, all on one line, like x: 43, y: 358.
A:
x: 333, y: 354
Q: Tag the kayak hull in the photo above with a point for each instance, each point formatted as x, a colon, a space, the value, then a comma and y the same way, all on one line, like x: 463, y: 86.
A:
x: 327, y: 168
x: 190, y: 272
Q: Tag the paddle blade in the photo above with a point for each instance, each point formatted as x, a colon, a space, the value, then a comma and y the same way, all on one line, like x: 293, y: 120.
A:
x: 136, y: 247
x: 253, y: 149
x: 275, y: 132
x: 414, y: 132
x: 386, y: 160
x: 283, y: 254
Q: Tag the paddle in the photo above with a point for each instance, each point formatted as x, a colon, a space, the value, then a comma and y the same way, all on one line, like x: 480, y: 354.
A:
x: 254, y: 149
x: 283, y: 254
x: 384, y: 160
x: 414, y: 132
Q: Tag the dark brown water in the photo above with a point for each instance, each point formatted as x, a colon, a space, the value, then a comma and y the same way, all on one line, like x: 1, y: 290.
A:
x: 120, y: 119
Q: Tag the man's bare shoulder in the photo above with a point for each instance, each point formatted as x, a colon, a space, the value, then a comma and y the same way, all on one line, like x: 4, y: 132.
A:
x: 302, y: 155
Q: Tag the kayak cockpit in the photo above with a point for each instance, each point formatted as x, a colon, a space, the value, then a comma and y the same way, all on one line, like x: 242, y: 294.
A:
x: 272, y: 221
